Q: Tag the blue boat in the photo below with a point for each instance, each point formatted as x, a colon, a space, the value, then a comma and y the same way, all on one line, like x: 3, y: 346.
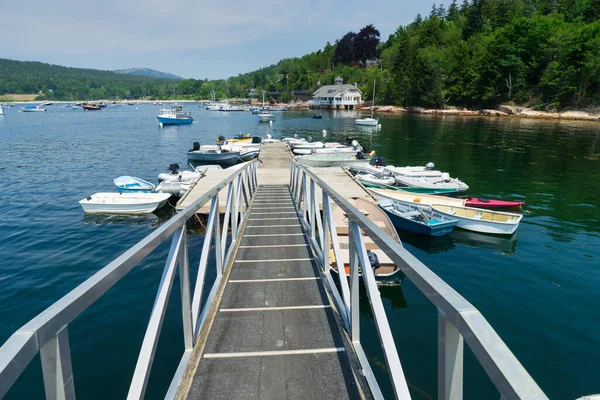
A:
x: 174, y: 116
x: 417, y: 219
x: 126, y: 184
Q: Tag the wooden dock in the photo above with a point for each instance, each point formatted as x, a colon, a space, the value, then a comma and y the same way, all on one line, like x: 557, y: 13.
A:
x: 272, y: 331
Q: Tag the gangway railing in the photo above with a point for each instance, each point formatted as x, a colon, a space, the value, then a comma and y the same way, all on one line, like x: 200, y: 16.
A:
x: 47, y: 333
x: 458, y: 320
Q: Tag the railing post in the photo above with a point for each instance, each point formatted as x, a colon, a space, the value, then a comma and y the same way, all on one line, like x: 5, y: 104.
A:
x: 304, y: 196
x: 354, y: 294
x: 234, y: 213
x: 184, y: 280
x: 312, y: 213
x: 226, y: 220
x: 325, y: 238
x: 218, y: 250
x: 56, y: 367
x: 450, y: 360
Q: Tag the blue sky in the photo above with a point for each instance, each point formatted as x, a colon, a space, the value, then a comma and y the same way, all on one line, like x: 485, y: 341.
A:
x: 190, y: 38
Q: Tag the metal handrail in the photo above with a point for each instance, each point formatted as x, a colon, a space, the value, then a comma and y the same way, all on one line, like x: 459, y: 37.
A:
x: 458, y: 319
x: 47, y: 332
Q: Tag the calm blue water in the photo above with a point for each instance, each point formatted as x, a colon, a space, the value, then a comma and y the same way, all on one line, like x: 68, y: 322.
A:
x: 538, y: 289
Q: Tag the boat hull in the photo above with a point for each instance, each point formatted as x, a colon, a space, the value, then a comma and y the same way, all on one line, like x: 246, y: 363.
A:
x: 438, y: 224
x: 367, y: 122
x: 310, y: 161
x: 223, y: 159
x: 479, y: 224
x: 174, y: 121
x: 123, y: 203
x: 492, y: 204
x: 266, y: 117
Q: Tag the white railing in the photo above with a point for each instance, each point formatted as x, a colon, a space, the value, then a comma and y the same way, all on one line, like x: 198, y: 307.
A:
x: 47, y: 332
x: 458, y: 320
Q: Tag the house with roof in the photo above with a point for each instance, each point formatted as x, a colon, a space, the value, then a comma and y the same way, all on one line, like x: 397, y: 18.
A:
x: 337, y: 96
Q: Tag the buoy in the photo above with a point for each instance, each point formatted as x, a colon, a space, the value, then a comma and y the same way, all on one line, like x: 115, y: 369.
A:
x: 270, y: 122
x: 161, y: 124
x: 324, y: 132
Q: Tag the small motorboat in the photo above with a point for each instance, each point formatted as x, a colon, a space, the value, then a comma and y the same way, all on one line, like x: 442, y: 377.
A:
x: 175, y: 175
x: 317, y: 116
x: 174, y: 116
x: 414, y: 219
x: 377, y: 179
x: 332, y: 160
x: 478, y: 202
x: 219, y: 155
x: 480, y: 220
x: 386, y: 272
x: 1, y: 111
x: 123, y: 203
x: 249, y: 153
x: 91, y: 107
x: 367, y: 122
x: 407, y: 189
x: 425, y: 177
x: 33, y: 109
x: 269, y: 139
x: 128, y: 183
x: 266, y: 116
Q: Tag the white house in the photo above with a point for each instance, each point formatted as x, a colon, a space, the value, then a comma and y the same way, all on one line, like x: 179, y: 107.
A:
x: 337, y: 96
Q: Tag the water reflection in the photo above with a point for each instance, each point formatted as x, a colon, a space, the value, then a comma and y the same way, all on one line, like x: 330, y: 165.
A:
x: 505, y: 244
x: 152, y: 220
x: 393, y: 293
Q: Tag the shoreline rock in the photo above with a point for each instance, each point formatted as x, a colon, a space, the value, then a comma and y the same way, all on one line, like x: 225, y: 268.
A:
x: 502, y: 111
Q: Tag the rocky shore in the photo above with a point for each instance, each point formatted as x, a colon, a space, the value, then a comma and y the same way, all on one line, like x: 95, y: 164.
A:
x: 502, y: 111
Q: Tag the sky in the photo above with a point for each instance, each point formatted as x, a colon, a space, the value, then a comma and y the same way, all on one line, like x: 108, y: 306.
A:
x: 190, y: 38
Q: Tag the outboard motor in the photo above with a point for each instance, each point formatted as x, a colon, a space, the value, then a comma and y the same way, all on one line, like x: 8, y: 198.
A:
x: 348, y: 141
x: 378, y: 162
x: 373, y: 259
x: 173, y: 168
x: 195, y: 147
x: 221, y: 138
x: 354, y: 144
x: 429, y: 166
x: 360, y: 155
x: 309, y: 139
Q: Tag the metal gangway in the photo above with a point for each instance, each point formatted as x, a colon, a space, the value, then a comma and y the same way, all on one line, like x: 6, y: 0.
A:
x: 459, y: 322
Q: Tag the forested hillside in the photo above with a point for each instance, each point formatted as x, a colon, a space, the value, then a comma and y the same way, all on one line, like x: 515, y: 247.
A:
x: 54, y: 82
x: 540, y: 53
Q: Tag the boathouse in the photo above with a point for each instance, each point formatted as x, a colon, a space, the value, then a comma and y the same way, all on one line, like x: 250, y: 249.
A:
x: 337, y: 96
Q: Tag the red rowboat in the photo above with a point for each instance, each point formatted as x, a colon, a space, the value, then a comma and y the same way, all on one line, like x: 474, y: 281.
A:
x: 486, y: 203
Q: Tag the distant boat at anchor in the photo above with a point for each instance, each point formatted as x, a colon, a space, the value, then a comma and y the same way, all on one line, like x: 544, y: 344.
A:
x: 174, y: 116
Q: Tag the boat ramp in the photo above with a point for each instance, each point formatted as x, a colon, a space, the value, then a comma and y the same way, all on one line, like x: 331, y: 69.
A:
x: 278, y: 321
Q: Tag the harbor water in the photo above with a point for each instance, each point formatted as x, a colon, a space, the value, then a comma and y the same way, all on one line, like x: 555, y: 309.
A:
x: 538, y: 288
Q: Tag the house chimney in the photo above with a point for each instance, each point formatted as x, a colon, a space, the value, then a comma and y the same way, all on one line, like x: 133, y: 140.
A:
x: 355, y: 84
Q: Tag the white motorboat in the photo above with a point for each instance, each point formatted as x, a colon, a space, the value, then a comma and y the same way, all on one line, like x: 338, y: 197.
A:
x: 123, y: 203
x: 249, y: 153
x: 480, y: 220
x: 425, y: 177
x: 290, y: 140
x: 1, y: 111
x: 128, y: 183
x: 330, y: 160
x: 175, y: 175
x: 33, y: 109
x: 369, y: 121
x: 375, y: 179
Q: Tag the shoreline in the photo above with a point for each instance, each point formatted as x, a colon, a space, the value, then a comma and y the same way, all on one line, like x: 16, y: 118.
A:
x: 502, y: 111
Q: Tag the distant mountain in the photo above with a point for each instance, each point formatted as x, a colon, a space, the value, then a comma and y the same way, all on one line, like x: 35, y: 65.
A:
x: 148, y: 72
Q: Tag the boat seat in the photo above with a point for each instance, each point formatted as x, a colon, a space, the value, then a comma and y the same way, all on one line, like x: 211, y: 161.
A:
x: 478, y: 216
x: 342, y: 228
x: 383, y: 258
x: 369, y: 244
x: 410, y: 214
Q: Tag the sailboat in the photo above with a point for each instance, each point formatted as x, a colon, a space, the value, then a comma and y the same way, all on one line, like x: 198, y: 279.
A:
x: 369, y: 121
x: 265, y: 116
